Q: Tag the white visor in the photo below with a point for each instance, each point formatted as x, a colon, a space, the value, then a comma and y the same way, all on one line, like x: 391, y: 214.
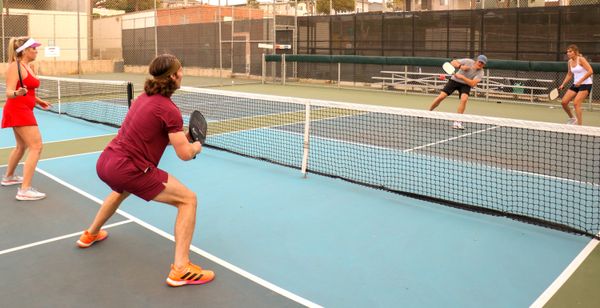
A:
x: 30, y: 43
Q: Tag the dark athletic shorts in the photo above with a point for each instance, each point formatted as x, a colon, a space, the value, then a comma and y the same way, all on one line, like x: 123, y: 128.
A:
x: 452, y: 85
x: 121, y: 175
x: 583, y: 87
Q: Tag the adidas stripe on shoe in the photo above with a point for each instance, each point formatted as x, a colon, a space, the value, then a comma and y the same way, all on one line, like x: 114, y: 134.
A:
x: 191, y: 274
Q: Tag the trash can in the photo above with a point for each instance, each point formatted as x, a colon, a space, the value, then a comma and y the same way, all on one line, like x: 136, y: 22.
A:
x: 119, y: 66
x: 517, y: 90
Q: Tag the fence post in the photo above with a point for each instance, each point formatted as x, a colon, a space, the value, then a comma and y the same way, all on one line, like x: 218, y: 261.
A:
x: 264, y: 68
x: 3, y: 40
x: 339, y: 75
x: 283, y: 69
x: 590, y: 98
x: 155, y: 30
x: 405, y: 79
x: 487, y: 85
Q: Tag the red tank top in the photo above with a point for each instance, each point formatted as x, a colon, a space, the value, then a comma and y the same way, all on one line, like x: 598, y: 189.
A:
x: 31, y: 83
x: 18, y: 111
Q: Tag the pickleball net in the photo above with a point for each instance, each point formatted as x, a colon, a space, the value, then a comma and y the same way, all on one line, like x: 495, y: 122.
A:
x: 542, y: 173
x: 100, y: 101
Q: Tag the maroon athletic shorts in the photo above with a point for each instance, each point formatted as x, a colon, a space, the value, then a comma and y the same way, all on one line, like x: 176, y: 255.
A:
x: 121, y: 175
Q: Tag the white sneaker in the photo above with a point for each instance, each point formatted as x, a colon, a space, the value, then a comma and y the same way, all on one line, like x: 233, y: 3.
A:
x: 30, y: 194
x: 572, y: 121
x: 11, y: 180
x: 457, y: 125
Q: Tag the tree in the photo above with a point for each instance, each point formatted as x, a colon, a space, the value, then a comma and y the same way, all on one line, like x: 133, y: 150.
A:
x: 126, y: 5
x: 338, y: 6
x: 395, y: 5
x: 252, y: 3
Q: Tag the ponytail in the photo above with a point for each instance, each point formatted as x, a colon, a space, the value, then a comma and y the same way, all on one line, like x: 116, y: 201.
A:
x: 13, y: 44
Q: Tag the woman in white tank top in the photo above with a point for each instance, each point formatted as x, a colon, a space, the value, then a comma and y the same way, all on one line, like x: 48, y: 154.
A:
x: 580, y: 71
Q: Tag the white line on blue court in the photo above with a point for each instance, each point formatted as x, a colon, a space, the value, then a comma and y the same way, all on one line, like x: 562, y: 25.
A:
x: 197, y: 250
x: 276, y: 125
x: 59, y: 157
x: 565, y: 275
x: 63, y: 140
x: 58, y: 238
x: 70, y: 156
x: 455, y: 138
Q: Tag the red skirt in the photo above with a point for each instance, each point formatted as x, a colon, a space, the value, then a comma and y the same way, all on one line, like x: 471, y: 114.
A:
x: 19, y: 112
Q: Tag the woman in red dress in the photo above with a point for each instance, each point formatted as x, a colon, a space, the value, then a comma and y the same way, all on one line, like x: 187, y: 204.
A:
x: 18, y: 114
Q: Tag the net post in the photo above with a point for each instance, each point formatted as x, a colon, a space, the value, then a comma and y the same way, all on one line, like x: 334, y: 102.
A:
x: 129, y: 94
x: 306, y: 139
x: 58, y: 95
x: 264, y: 68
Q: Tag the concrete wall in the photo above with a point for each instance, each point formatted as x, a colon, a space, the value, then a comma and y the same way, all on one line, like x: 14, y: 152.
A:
x: 55, y: 67
x: 107, y: 36
x: 138, y: 20
x: 57, y: 28
x: 187, y: 71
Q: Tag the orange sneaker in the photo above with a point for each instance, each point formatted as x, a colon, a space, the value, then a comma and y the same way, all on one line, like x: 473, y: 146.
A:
x: 86, y: 239
x: 191, y: 274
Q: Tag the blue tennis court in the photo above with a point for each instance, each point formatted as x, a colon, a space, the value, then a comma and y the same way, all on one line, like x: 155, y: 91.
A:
x: 339, y: 244
x: 53, y: 128
x: 340, y: 237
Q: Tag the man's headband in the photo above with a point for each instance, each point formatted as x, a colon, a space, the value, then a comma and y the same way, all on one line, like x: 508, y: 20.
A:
x: 171, y: 71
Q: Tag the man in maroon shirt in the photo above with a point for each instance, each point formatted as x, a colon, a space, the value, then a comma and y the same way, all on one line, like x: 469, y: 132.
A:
x: 129, y: 165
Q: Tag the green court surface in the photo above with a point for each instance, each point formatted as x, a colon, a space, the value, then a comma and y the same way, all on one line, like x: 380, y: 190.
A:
x: 545, y: 113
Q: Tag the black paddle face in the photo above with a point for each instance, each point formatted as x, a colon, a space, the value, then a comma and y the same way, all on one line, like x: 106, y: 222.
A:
x: 19, y: 73
x: 198, y: 126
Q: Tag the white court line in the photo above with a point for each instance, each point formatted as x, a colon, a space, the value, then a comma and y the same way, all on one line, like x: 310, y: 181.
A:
x: 364, y: 145
x: 58, y: 238
x: 450, y: 139
x: 193, y: 248
x: 60, y: 157
x: 71, y: 156
x: 565, y: 275
x: 63, y: 140
x: 501, y: 169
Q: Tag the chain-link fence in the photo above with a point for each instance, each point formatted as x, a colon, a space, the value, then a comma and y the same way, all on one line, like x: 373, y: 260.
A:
x: 539, y: 34
x: 201, y: 36
x: 229, y: 40
x: 78, y: 38
x: 62, y: 24
x: 503, y: 81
